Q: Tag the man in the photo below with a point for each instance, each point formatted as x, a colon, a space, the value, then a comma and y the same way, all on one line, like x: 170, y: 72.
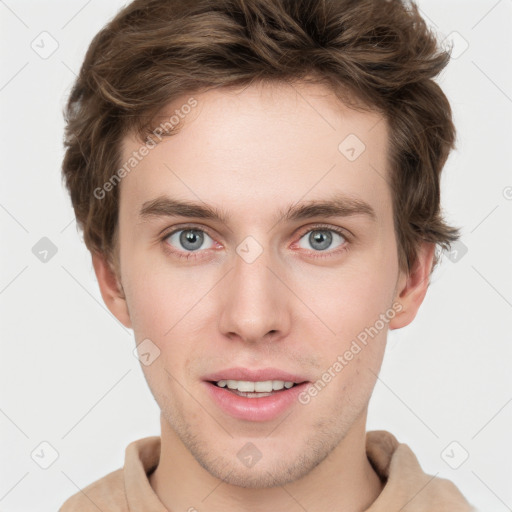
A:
x: 258, y: 184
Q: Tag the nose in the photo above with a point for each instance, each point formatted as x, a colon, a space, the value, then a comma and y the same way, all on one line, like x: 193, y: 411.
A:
x: 255, y: 301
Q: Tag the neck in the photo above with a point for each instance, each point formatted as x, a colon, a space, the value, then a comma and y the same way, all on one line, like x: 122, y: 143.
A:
x: 344, y: 481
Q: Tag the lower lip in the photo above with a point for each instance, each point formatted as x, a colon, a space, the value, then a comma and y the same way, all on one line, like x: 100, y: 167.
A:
x: 264, y: 408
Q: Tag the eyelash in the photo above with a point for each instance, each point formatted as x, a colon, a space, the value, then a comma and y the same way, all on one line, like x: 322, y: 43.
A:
x: 320, y: 227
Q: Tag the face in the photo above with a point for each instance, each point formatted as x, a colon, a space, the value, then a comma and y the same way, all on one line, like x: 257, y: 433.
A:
x: 275, y: 282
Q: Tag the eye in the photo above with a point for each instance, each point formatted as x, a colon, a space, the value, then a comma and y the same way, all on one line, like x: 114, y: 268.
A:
x: 192, y: 242
x: 321, y: 239
x: 188, y: 239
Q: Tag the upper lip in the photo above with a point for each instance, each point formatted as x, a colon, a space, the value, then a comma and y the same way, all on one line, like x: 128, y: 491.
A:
x: 254, y: 375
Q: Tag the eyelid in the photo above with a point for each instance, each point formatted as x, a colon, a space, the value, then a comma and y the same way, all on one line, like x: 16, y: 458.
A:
x: 167, y: 232
x: 345, y: 233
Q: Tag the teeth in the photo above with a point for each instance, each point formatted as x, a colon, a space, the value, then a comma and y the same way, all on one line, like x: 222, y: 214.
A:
x: 259, y: 387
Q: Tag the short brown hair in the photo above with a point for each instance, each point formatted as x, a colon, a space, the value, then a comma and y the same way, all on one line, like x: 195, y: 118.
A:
x: 379, y: 52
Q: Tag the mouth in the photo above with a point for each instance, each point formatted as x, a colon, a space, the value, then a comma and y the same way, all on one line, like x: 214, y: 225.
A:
x: 254, y: 395
x: 255, y: 389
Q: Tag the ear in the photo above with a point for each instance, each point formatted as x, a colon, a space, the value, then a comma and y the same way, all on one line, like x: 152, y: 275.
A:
x: 412, y: 287
x: 111, y: 289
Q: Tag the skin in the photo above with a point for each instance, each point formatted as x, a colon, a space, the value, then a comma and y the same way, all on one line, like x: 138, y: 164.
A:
x: 253, y: 152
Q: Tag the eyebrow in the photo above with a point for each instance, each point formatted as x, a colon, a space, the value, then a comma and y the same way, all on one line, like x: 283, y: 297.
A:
x: 339, y: 205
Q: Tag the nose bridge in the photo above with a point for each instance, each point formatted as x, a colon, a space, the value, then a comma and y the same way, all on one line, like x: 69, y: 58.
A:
x: 253, y: 303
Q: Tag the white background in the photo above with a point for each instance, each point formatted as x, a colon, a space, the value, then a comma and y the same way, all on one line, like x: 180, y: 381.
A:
x: 68, y: 375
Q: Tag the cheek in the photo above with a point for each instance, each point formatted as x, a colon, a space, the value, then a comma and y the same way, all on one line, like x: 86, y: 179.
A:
x: 167, y: 308
x: 350, y: 298
x: 152, y: 302
x: 355, y: 303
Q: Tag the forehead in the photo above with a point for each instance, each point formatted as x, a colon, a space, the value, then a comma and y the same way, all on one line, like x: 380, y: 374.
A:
x: 261, y: 145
